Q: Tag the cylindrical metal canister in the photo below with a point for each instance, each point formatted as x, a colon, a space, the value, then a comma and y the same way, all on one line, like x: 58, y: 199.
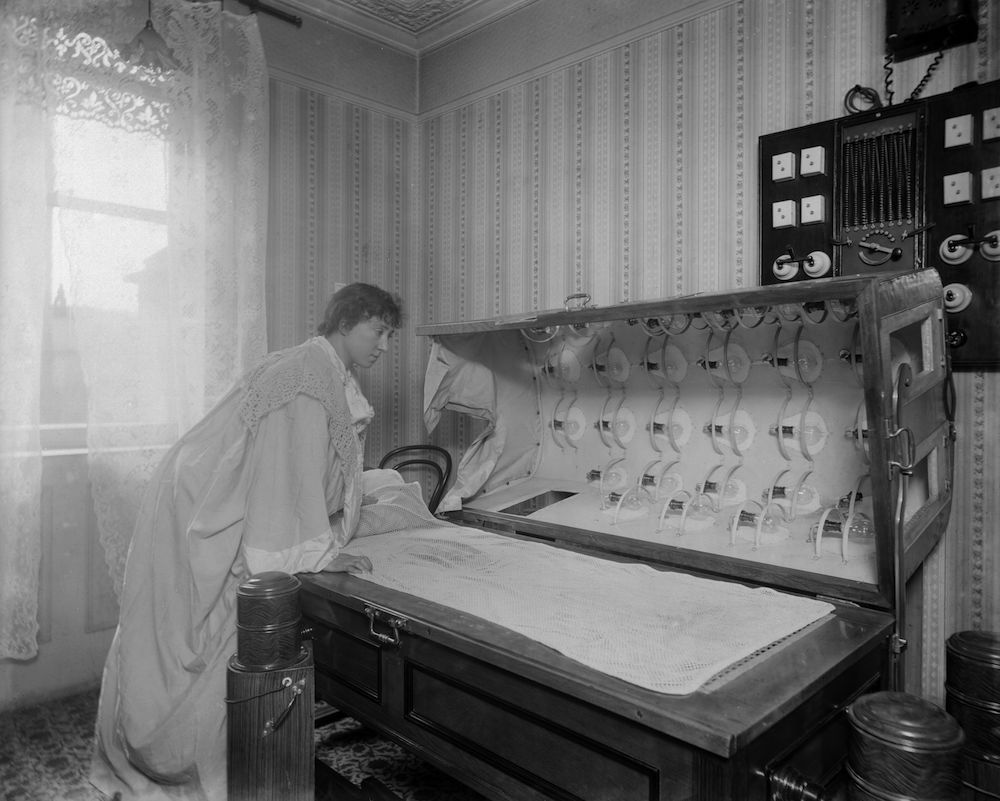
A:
x: 268, y: 621
x: 903, y: 748
x: 972, y: 696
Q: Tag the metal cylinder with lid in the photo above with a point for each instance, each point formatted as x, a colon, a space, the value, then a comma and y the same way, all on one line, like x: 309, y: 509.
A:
x: 268, y: 621
x: 972, y: 695
x: 903, y: 748
x: 270, y: 695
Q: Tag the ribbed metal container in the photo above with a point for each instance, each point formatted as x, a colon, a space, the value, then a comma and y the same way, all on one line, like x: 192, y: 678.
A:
x: 268, y: 621
x: 270, y: 732
x: 972, y: 696
x: 903, y: 748
x: 973, y: 665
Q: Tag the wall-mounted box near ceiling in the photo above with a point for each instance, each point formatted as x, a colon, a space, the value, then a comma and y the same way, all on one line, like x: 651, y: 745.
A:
x: 915, y: 27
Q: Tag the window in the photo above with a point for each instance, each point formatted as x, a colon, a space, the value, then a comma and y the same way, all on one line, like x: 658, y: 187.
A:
x: 109, y: 275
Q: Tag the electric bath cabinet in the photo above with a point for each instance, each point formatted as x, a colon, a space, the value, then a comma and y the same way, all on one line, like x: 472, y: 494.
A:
x: 796, y: 437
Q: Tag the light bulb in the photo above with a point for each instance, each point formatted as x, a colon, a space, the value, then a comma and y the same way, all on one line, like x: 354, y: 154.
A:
x: 571, y: 426
x: 701, y: 505
x: 809, y: 361
x: 674, y: 364
x: 769, y: 525
x: 674, y: 323
x: 861, y: 527
x: 808, y: 368
x: 805, y: 495
x: 737, y: 363
x: 620, y: 427
x: 670, y: 483
x: 813, y: 435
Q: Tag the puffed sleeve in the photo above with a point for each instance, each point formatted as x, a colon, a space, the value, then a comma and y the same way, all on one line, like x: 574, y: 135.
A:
x: 294, y: 483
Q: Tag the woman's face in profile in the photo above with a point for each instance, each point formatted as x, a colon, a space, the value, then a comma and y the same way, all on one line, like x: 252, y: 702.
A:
x: 368, y: 340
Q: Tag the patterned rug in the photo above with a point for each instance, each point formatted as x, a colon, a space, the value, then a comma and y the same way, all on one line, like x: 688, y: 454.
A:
x: 45, y: 756
x: 357, y: 753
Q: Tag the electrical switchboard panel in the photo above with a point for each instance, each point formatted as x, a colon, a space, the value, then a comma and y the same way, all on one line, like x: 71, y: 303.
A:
x: 911, y: 186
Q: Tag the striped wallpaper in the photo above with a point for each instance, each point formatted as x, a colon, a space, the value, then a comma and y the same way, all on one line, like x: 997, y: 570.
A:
x: 344, y: 194
x: 630, y: 174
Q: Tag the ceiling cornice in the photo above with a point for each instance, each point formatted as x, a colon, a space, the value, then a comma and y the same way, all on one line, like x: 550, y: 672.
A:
x: 413, y: 26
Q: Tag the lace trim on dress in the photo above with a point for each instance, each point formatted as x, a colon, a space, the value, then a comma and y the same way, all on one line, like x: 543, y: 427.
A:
x: 287, y: 373
x: 361, y: 410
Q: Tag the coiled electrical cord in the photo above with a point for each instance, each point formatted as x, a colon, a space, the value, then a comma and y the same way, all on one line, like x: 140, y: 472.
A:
x: 861, y: 98
x: 864, y: 98
x: 927, y: 75
x: 887, y: 68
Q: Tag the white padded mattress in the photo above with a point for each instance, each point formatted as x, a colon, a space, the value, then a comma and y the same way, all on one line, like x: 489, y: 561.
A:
x: 668, y: 632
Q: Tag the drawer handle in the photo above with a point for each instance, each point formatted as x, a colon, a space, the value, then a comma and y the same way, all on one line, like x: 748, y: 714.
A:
x: 390, y: 619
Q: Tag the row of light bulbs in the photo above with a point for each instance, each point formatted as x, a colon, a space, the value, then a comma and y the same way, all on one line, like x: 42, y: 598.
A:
x: 660, y: 487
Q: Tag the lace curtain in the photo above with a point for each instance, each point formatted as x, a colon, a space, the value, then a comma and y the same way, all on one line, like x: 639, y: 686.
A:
x: 133, y: 204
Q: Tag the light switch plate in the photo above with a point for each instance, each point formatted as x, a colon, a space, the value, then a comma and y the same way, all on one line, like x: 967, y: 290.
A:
x: 813, y: 209
x: 958, y: 188
x: 783, y: 214
x: 958, y: 131
x: 782, y: 166
x: 990, y: 188
x: 991, y: 123
x: 813, y: 161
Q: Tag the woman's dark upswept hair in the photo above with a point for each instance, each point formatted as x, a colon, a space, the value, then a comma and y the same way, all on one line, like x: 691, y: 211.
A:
x: 358, y: 302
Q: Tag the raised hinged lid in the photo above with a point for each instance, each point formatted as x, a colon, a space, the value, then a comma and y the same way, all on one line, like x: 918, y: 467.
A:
x: 906, y: 720
x: 796, y: 436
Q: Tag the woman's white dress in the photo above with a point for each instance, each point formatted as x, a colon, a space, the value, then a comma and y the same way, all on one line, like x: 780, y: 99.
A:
x: 270, y: 479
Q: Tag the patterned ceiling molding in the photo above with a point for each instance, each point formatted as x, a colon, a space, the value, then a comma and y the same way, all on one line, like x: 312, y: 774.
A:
x: 409, y: 25
x: 413, y: 16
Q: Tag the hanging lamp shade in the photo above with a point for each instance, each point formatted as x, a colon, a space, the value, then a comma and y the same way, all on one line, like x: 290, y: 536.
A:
x: 148, y: 49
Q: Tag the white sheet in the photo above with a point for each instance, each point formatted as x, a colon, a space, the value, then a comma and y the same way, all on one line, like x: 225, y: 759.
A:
x: 668, y: 632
